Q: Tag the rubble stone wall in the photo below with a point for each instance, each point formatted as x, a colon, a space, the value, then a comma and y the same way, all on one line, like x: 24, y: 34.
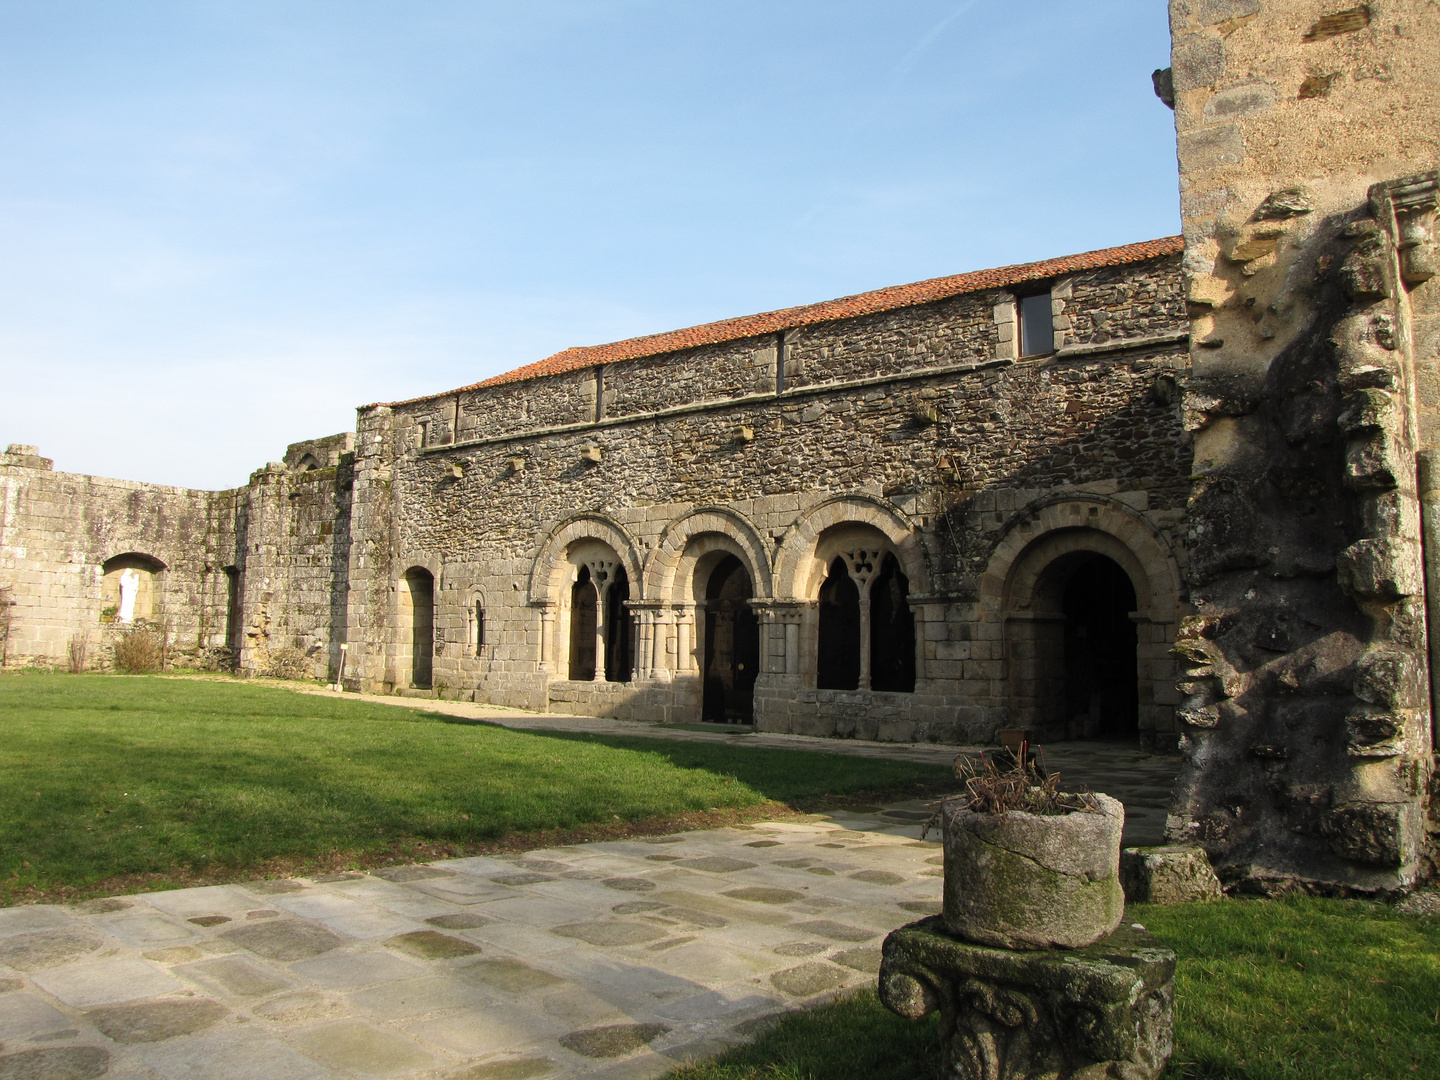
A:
x: 1306, y: 730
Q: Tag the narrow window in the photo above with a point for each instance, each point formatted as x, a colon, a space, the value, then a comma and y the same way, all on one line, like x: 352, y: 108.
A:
x: 479, y: 628
x: 838, y: 666
x: 892, y: 631
x: 583, y: 617
x: 1037, y: 328
x: 619, y: 629
x: 420, y: 590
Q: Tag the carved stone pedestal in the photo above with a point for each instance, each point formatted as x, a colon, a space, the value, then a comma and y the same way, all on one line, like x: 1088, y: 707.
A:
x: 1102, y: 1012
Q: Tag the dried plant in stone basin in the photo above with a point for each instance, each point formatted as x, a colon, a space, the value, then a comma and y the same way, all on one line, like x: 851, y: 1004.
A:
x: 1027, y: 865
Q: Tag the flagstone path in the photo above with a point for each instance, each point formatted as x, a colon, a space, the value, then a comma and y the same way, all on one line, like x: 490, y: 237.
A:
x: 614, y: 960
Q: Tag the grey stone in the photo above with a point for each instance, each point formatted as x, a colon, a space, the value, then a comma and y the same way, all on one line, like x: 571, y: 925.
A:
x: 463, y: 920
x: 285, y: 940
x: 105, y: 982
x: 1173, y: 874
x: 629, y: 884
x: 877, y: 877
x: 1210, y: 148
x: 1197, y: 65
x: 411, y: 873
x: 1033, y: 881
x: 297, y: 1008
x: 361, y: 1048
x: 23, y: 1015
x: 515, y: 880
x: 154, y: 1021
x: 866, y: 960
x: 609, y: 933
x: 613, y: 1040
x: 102, y: 906
x: 1101, y: 1010
x: 800, y: 948
x: 529, y: 1068
x: 8, y: 986
x: 764, y: 894
x: 40, y: 949
x: 432, y: 945
x: 275, y: 886
x: 919, y: 907
x: 807, y: 980
x: 209, y: 920
x: 716, y: 864
x: 836, y: 931
x: 637, y: 907
x: 59, y: 1063
x: 234, y: 975
x: 509, y: 975
x: 763, y: 843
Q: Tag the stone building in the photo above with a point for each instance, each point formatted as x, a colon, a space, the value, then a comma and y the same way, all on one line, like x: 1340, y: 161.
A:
x: 1012, y: 499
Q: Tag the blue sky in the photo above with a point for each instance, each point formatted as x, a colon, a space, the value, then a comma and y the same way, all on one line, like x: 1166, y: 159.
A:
x: 226, y: 223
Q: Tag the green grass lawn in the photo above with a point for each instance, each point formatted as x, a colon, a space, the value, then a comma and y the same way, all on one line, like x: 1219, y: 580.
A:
x: 1300, y: 989
x: 110, y: 783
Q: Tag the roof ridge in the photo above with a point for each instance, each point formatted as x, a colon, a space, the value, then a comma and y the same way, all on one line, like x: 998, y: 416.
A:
x: 845, y: 307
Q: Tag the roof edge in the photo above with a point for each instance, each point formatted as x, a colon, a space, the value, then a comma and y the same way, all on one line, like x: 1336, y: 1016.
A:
x: 891, y: 298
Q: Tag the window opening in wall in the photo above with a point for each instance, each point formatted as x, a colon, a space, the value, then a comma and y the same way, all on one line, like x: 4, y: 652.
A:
x: 308, y: 463
x: 1101, y: 668
x: 838, y: 654
x: 892, y: 630
x: 619, y: 629
x: 420, y: 584
x: 234, y: 628
x: 1037, y: 325
x: 732, y: 645
x: 584, y: 616
x: 479, y: 628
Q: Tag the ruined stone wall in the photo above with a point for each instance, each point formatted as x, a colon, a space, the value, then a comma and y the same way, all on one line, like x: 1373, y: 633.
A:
x: 57, y: 530
x: 1307, y: 729
x: 914, y: 410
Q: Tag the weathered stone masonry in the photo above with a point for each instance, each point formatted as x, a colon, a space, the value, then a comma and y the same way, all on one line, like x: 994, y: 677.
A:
x: 1012, y: 499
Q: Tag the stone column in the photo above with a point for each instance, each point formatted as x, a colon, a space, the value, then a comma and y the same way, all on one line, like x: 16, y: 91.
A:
x: 659, y: 663
x: 547, y: 635
x: 644, y: 644
x: 684, y: 638
x: 600, y: 628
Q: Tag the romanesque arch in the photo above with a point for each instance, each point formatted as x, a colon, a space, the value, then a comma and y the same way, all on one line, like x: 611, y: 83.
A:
x: 798, y: 568
x: 703, y: 532
x: 1049, y: 550
x: 584, y: 579
x: 131, y: 587
x: 828, y: 566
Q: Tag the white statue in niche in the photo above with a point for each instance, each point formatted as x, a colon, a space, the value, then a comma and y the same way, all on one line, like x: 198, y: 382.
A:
x: 129, y: 589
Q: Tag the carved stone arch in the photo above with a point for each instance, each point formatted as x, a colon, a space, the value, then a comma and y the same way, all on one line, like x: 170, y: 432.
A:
x: 1020, y: 591
x: 132, y: 587
x: 797, y: 546
x: 734, y: 533
x: 549, y: 568
x: 1046, y: 529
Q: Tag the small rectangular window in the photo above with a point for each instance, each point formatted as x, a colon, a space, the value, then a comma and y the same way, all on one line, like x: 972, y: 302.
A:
x: 1037, y: 329
x: 479, y: 628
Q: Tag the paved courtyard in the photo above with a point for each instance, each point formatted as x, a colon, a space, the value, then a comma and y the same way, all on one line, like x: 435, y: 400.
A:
x: 618, y: 959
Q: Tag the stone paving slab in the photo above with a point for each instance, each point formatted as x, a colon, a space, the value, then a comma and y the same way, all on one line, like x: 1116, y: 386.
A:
x: 598, y: 960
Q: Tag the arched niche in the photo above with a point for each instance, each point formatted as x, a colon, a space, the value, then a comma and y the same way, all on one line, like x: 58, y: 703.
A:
x: 800, y: 566
x: 130, y: 588
x: 592, y: 618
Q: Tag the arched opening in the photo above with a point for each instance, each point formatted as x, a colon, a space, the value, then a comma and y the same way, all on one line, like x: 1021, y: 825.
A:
x: 838, y: 653
x: 732, y: 644
x: 477, y: 626
x: 619, y: 629
x: 129, y: 589
x: 308, y: 463
x: 584, y: 619
x: 892, y: 630
x: 1101, y: 665
x: 420, y: 588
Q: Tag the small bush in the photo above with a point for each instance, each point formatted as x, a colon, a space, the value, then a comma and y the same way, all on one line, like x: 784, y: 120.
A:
x: 139, y: 652
x: 79, y: 651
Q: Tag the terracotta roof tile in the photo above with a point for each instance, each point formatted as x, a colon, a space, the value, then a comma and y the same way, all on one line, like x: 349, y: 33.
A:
x: 846, y: 307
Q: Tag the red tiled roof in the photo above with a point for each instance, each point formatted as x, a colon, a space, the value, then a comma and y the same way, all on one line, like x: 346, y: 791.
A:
x: 847, y: 307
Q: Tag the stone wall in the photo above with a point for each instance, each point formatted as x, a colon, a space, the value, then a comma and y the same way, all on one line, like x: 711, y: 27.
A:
x: 911, y: 428
x: 1307, y: 732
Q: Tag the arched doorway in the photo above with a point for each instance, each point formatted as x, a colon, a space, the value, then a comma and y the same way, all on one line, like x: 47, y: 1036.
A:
x: 1102, y: 697
x: 420, y: 592
x: 732, y: 644
x: 1074, y: 670
x: 838, y: 647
